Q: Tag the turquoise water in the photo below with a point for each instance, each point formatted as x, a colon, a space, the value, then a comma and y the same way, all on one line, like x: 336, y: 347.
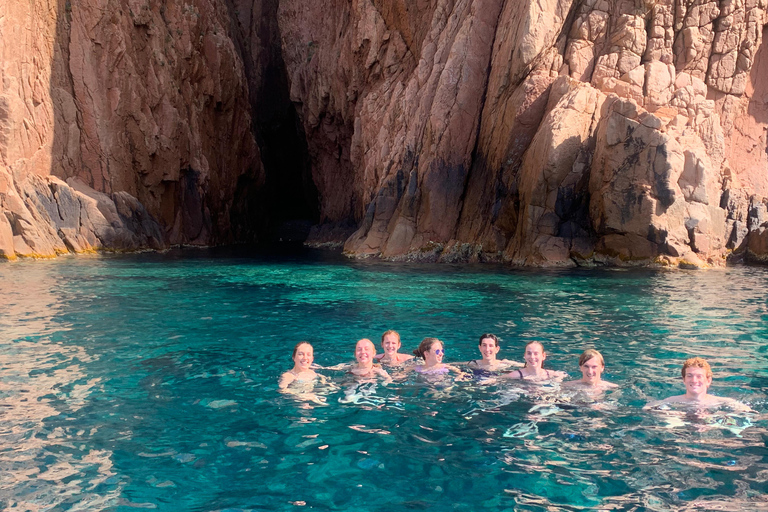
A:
x: 149, y: 381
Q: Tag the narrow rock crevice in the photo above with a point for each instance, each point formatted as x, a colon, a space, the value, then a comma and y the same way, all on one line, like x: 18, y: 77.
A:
x: 283, y: 204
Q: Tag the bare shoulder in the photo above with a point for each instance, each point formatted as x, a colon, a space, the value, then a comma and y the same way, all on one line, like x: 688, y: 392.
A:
x: 733, y: 404
x: 285, y: 380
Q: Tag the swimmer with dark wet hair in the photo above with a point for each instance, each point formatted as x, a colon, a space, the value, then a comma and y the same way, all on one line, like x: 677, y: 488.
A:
x: 432, y: 350
x: 697, y: 377
x: 302, y: 372
x: 534, y: 356
x: 489, y: 348
x: 390, y: 343
x: 365, y: 353
x: 591, y: 364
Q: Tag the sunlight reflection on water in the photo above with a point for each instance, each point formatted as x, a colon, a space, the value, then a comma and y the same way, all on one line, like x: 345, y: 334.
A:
x: 150, y: 381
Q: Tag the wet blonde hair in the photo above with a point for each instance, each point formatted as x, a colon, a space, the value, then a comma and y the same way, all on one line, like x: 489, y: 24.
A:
x: 589, y: 354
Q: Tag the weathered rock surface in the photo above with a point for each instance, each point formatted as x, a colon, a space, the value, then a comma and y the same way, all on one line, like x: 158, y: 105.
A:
x: 550, y: 132
x: 145, y: 103
x: 542, y: 133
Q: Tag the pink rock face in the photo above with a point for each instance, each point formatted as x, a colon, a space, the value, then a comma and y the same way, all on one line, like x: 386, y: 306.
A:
x: 144, y: 102
x: 549, y: 133
x: 542, y: 133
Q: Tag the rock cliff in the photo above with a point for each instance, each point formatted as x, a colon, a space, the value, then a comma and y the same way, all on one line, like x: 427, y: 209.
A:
x: 543, y: 132
x: 549, y: 132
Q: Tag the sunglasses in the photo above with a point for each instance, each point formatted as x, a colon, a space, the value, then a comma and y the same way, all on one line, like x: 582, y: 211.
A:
x: 439, y: 351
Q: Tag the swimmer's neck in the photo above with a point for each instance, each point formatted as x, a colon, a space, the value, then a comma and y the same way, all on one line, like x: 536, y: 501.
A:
x: 297, y: 371
x: 365, y: 366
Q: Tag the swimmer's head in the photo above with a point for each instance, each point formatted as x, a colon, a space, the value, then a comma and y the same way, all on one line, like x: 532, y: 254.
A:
x: 697, y: 362
x: 390, y: 341
x: 589, y: 354
x: 425, y: 346
x: 364, y: 350
x: 296, y: 348
x: 534, y: 354
x: 303, y: 355
x: 489, y: 336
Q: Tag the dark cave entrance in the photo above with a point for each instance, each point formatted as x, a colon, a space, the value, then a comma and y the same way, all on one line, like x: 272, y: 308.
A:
x: 282, y: 204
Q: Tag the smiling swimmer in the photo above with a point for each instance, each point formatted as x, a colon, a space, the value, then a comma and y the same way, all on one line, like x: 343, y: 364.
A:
x: 365, y: 353
x: 697, y: 377
x: 390, y: 342
x: 432, y: 351
x: 489, y: 348
x: 591, y: 364
x: 302, y: 372
x: 534, y: 356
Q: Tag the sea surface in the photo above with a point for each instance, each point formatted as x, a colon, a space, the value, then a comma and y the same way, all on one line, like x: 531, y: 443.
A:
x: 149, y: 382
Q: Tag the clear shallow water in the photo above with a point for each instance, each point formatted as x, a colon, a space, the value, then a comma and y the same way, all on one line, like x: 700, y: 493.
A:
x: 149, y: 381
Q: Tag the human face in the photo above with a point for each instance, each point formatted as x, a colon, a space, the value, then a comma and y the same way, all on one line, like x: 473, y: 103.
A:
x: 488, y: 349
x: 696, y: 381
x: 534, y: 355
x: 304, y: 357
x: 591, y: 370
x: 390, y: 344
x: 364, y: 351
x: 435, y: 354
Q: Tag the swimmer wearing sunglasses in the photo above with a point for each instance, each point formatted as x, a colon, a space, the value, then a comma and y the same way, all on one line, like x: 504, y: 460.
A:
x: 432, y: 351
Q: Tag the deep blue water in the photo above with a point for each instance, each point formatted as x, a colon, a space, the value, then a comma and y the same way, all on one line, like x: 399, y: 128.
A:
x: 150, y: 381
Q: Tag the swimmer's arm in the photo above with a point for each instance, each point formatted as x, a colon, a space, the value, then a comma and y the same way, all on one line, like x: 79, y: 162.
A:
x: 512, y: 363
x: 336, y: 367
x: 512, y: 375
x: 285, y: 380
x: 384, y: 375
x: 460, y: 374
x: 737, y: 406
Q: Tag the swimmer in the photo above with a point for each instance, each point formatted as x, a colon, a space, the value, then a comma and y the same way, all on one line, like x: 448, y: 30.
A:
x: 489, y: 347
x: 697, y: 377
x: 432, y: 351
x: 365, y: 353
x: 592, y: 364
x: 534, y: 356
x: 390, y: 342
x: 302, y: 372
